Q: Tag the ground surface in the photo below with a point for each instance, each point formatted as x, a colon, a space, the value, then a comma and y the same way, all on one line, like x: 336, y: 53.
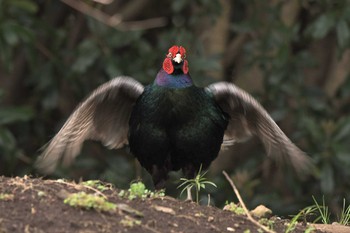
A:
x: 36, y: 205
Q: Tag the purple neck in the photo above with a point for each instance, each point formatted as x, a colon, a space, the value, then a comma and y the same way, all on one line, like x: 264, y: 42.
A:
x: 164, y: 79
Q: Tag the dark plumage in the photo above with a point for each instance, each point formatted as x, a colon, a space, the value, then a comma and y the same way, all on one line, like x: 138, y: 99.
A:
x: 170, y: 124
x: 176, y: 128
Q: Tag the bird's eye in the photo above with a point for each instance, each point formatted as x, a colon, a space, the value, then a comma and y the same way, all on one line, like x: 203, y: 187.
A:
x: 170, y: 55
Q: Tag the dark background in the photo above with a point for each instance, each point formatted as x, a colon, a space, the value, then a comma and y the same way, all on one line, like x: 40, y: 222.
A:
x: 293, y: 56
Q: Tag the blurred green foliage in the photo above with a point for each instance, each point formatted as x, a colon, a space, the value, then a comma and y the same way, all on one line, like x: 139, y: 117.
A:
x: 320, y: 122
x: 52, y: 56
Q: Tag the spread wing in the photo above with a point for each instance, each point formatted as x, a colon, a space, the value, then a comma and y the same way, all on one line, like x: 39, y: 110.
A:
x: 248, y: 117
x: 103, y: 116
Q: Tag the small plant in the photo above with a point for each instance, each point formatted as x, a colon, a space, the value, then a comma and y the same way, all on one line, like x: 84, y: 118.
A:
x: 95, y: 184
x: 6, y: 197
x: 129, y: 222
x: 267, y: 222
x: 198, y: 182
x: 323, y: 211
x: 233, y: 207
x: 320, y: 210
x: 138, y: 190
x: 344, y: 218
x: 304, y: 213
x: 293, y: 223
x: 310, y: 229
x: 89, y: 201
x: 309, y: 211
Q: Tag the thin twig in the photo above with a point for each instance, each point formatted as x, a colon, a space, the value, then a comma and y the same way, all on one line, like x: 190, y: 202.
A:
x: 115, y: 20
x: 94, y: 13
x: 249, y: 216
x: 105, y: 2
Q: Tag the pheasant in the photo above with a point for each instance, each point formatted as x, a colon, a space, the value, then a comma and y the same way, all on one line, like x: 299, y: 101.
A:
x: 170, y: 124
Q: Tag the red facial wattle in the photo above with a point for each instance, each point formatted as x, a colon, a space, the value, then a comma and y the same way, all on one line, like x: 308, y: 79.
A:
x: 185, y: 67
x: 168, y: 61
x: 168, y: 65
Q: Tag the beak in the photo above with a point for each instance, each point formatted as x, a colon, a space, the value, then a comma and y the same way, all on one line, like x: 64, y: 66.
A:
x: 177, y: 58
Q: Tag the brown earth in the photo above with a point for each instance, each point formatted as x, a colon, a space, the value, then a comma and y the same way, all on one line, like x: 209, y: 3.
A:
x: 36, y: 205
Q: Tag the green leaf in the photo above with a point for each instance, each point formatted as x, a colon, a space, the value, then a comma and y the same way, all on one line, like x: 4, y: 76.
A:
x: 343, y: 33
x: 88, y: 53
x: 13, y: 114
x: 322, y: 26
x: 12, y: 32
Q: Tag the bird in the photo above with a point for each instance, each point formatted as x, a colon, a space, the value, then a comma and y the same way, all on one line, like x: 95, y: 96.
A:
x: 170, y: 124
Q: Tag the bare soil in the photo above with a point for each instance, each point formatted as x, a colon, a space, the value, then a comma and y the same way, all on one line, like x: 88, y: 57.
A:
x: 36, y: 205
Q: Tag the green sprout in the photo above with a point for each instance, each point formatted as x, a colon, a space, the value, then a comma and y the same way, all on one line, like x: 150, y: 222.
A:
x: 129, y: 222
x: 234, y: 208
x: 310, y: 229
x: 293, y: 223
x: 6, y: 197
x: 323, y: 211
x: 138, y: 190
x: 198, y: 182
x: 345, y: 214
x: 267, y: 222
x: 309, y: 211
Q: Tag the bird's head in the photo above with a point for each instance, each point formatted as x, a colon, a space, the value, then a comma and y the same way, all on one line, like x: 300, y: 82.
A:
x: 176, y: 60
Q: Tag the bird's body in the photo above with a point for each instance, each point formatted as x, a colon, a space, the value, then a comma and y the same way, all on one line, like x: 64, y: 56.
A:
x: 175, y: 127
x: 171, y: 124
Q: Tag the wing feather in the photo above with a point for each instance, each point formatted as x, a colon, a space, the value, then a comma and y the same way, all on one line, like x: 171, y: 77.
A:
x: 248, y: 117
x: 103, y: 116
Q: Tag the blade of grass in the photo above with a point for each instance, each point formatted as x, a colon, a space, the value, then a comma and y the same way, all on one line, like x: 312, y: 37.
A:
x: 323, y: 210
x: 345, y: 214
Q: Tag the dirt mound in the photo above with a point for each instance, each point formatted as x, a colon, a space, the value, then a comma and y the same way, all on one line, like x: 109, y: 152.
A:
x: 37, y: 205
